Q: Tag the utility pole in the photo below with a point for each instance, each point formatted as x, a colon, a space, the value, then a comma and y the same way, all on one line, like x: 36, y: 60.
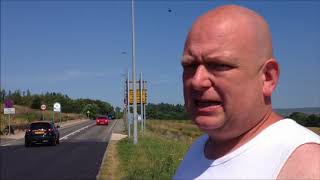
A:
x: 144, y: 105
x: 128, y: 106
x: 141, y: 105
x: 135, y: 133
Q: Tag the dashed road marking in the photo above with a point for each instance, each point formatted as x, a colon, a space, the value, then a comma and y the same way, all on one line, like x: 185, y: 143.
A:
x: 75, y: 132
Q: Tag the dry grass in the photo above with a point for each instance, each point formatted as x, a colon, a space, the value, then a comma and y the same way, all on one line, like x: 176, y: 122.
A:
x: 315, y: 129
x: 174, y: 130
x: 110, y: 165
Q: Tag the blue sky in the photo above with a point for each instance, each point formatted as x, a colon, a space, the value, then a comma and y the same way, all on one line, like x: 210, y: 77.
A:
x: 76, y: 47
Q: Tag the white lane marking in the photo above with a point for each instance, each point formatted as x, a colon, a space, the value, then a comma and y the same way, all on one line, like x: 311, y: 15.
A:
x: 76, y: 131
x: 6, y: 144
x: 12, y: 142
x: 65, y: 137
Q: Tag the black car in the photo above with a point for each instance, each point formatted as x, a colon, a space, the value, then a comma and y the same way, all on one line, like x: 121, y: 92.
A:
x: 42, y: 132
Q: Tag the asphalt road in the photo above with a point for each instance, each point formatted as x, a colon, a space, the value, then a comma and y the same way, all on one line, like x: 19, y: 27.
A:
x: 78, y: 156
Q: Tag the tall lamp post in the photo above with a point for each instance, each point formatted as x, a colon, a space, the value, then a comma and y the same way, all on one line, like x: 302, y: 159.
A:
x: 135, y: 131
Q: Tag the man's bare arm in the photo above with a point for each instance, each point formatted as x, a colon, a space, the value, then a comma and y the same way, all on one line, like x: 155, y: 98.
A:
x: 304, y: 163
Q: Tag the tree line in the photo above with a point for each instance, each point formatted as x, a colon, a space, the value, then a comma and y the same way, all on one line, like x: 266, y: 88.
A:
x: 311, y: 120
x: 164, y: 111
x: 68, y: 105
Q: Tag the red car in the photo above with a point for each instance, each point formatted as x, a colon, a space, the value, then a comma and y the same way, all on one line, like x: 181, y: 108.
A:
x: 102, y: 120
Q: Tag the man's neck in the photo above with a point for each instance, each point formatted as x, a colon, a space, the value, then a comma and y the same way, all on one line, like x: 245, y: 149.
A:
x: 214, y: 149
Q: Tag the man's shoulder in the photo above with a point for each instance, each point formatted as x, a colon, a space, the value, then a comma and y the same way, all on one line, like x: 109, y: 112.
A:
x: 193, y: 156
x: 304, y: 145
x: 288, y: 128
x: 303, y: 163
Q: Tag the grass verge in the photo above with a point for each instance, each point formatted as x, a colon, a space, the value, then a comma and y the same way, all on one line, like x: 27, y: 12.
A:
x: 152, y: 158
x: 157, y: 154
x: 315, y: 129
x: 110, y: 166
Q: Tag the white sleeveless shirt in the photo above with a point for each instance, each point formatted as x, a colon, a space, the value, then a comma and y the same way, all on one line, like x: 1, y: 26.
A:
x: 260, y: 158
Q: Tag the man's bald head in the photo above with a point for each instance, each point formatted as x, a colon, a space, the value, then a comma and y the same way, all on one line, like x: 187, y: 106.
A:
x: 238, y: 24
x: 229, y: 73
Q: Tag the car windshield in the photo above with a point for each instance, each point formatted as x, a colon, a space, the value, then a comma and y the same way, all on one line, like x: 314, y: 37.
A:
x: 35, y: 126
x: 102, y: 117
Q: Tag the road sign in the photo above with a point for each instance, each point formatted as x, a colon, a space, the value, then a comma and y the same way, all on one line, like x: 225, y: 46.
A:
x: 9, y: 111
x: 43, y: 107
x: 8, y: 103
x: 144, y: 96
x: 56, y: 107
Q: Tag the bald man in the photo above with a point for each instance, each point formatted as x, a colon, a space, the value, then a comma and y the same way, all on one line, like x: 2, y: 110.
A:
x: 229, y: 74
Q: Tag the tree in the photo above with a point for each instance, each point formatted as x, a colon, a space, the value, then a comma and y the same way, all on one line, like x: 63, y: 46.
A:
x: 118, y: 113
x: 36, y: 103
x: 16, y: 97
x: 2, y: 95
x: 166, y: 111
x: 92, y: 109
x: 313, y: 121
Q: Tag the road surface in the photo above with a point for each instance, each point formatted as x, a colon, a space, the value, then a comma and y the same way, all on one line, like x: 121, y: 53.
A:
x: 78, y: 156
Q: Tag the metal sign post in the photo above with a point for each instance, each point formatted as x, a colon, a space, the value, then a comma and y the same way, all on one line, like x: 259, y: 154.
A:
x: 52, y: 116
x: 88, y: 114
x: 128, y: 107
x: 144, y: 104
x: 9, y: 109
x: 9, y: 125
x: 43, y: 108
x: 135, y: 133
x: 141, y: 105
x: 57, y: 108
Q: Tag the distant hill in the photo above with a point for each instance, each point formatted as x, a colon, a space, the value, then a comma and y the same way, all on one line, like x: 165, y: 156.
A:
x: 306, y: 110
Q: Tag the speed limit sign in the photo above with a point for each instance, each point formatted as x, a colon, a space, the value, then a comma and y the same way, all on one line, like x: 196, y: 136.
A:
x: 43, y: 107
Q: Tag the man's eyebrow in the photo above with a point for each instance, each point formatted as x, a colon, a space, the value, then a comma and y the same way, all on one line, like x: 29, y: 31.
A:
x: 221, y: 59
x: 187, y: 59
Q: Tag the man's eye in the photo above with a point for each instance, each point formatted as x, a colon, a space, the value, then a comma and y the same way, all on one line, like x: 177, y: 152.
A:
x: 189, y: 66
x: 219, y: 67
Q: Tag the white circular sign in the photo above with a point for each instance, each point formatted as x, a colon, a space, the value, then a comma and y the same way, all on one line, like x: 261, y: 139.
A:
x: 43, y: 107
x: 56, y: 107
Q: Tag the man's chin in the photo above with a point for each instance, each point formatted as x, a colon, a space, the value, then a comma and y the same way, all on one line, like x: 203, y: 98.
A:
x: 207, y: 123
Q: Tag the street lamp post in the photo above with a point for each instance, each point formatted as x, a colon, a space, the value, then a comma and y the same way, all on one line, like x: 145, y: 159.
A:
x: 135, y: 133
x: 141, y: 110
x: 128, y: 106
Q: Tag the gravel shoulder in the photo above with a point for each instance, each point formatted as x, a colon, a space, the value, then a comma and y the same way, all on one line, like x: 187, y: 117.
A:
x: 109, y: 168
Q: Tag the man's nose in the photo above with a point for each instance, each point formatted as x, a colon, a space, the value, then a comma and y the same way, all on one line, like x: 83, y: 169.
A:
x: 200, y: 79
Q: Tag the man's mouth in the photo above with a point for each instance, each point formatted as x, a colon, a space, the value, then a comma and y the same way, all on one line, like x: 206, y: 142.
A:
x: 207, y: 106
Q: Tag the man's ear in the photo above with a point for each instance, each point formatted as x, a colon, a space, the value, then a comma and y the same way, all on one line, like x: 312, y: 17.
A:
x: 271, y: 73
